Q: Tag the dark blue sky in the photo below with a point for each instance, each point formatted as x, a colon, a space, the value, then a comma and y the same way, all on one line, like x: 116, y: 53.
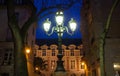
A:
x: 73, y: 12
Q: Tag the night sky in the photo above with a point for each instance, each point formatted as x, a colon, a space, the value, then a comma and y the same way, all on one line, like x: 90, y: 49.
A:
x: 73, y: 12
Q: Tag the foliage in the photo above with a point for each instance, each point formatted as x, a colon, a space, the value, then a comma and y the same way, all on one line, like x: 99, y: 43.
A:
x: 41, y: 63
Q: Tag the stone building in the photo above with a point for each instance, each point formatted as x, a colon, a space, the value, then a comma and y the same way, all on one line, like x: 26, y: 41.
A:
x: 94, y: 16
x: 22, y: 12
x: 71, y: 57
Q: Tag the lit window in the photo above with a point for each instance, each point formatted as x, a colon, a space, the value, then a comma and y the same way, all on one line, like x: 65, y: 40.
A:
x: 53, y: 52
x: 72, y: 64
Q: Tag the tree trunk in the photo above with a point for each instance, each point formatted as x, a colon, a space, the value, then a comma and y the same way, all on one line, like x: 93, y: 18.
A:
x: 102, y: 39
x: 20, y: 58
x: 19, y: 51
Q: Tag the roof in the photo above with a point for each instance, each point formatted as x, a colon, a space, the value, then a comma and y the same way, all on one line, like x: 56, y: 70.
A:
x: 66, y: 42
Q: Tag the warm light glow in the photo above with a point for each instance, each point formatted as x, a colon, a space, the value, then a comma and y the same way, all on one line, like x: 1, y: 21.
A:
x: 116, y: 66
x: 46, y: 25
x: 83, y: 63
x: 52, y: 67
x: 59, y: 18
x: 36, y: 68
x: 72, y: 25
x: 27, y: 50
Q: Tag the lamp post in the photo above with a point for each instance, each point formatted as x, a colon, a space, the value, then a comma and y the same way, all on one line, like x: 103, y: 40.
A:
x: 59, y: 29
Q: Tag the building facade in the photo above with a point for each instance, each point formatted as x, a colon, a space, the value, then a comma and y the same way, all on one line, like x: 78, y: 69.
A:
x: 22, y: 12
x: 95, y: 16
x: 71, y: 56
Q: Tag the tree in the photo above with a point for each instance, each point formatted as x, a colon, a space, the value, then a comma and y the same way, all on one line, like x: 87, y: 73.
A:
x: 19, y: 34
x: 103, y: 36
x: 39, y: 63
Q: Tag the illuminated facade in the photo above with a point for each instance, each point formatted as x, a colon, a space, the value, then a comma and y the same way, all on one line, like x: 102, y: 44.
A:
x: 72, y: 58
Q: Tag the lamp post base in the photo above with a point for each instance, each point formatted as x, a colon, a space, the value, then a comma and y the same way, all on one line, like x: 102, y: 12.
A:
x: 60, y: 67
x: 60, y: 73
x: 60, y: 70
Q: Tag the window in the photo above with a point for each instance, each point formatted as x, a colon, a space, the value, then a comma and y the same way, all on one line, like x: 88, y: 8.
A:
x: 72, y: 52
x: 82, y: 66
x: 72, y: 64
x: 52, y: 64
x: 53, y: 52
x: 63, y: 52
x: 44, y: 52
x: 8, y: 57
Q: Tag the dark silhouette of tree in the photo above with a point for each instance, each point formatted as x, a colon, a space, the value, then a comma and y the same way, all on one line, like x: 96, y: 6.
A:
x: 19, y: 33
x: 39, y: 63
x: 103, y: 37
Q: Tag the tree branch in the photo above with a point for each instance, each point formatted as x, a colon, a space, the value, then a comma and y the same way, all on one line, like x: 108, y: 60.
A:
x: 58, y: 6
x: 12, y: 22
x: 110, y: 15
x: 27, y: 24
x: 34, y: 17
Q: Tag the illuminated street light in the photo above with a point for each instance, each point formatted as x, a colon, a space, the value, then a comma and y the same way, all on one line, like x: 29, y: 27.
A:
x: 27, y: 50
x: 59, y: 29
x: 82, y: 65
x: 116, y: 66
x: 36, y: 68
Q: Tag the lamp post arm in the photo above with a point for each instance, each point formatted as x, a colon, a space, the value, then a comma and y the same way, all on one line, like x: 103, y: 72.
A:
x: 66, y: 28
x: 53, y: 28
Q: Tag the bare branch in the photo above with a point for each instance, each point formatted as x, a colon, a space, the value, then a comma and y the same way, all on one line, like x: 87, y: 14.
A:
x: 27, y: 24
x: 45, y: 7
x: 62, y: 6
x: 12, y: 22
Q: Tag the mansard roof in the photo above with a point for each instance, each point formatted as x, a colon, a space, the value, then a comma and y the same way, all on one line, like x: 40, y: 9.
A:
x: 66, y: 42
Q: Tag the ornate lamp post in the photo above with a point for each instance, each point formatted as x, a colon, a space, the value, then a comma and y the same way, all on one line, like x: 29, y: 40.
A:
x: 59, y: 29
